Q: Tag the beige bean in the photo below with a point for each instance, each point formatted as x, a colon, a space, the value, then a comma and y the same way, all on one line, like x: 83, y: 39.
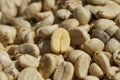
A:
x: 72, y: 4
x: 9, y: 10
x: 112, y: 72
x: 10, y: 49
x: 19, y: 23
x: 101, y: 59
x: 95, y: 70
x: 81, y: 66
x: 29, y: 37
x: 91, y: 46
x: 71, y: 48
x: 3, y: 76
x: 46, y: 31
x: 47, y: 65
x: 7, y: 34
x: 11, y: 71
x: 49, y: 5
x: 78, y: 36
x: 59, y: 59
x: 32, y: 9
x: 27, y: 48
x: 42, y: 15
x: 22, y: 36
x: 28, y: 61
x: 69, y: 24
x: 5, y: 60
x: 104, y: 23
x: 107, y: 11
x: 81, y: 14
x: 29, y: 73
x: 47, y: 19
x: 91, y: 78
x: 60, y: 40
x: 23, y: 6
x: 73, y: 55
x: 116, y: 56
x: 63, y: 13
x: 112, y: 30
x: 110, y: 57
x: 64, y: 71
x: 112, y: 45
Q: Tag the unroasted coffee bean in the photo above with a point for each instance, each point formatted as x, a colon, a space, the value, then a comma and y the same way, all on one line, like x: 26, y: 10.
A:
x: 27, y: 48
x: 112, y: 72
x: 7, y: 34
x: 97, y: 33
x: 46, y: 31
x: 104, y: 23
x: 60, y: 40
x: 69, y: 24
x: 81, y: 66
x: 91, y: 46
x: 5, y: 60
x: 28, y: 61
x: 32, y: 9
x: 29, y: 73
x: 73, y: 55
x: 81, y: 14
x: 48, y: 5
x: 11, y: 71
x: 109, y: 14
x: 112, y: 45
x: 59, y: 59
x: 112, y: 30
x: 64, y: 71
x: 101, y: 59
x: 95, y: 70
x: 10, y: 50
x: 78, y: 36
x: 47, y: 65
x: 116, y: 56
x: 63, y: 13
